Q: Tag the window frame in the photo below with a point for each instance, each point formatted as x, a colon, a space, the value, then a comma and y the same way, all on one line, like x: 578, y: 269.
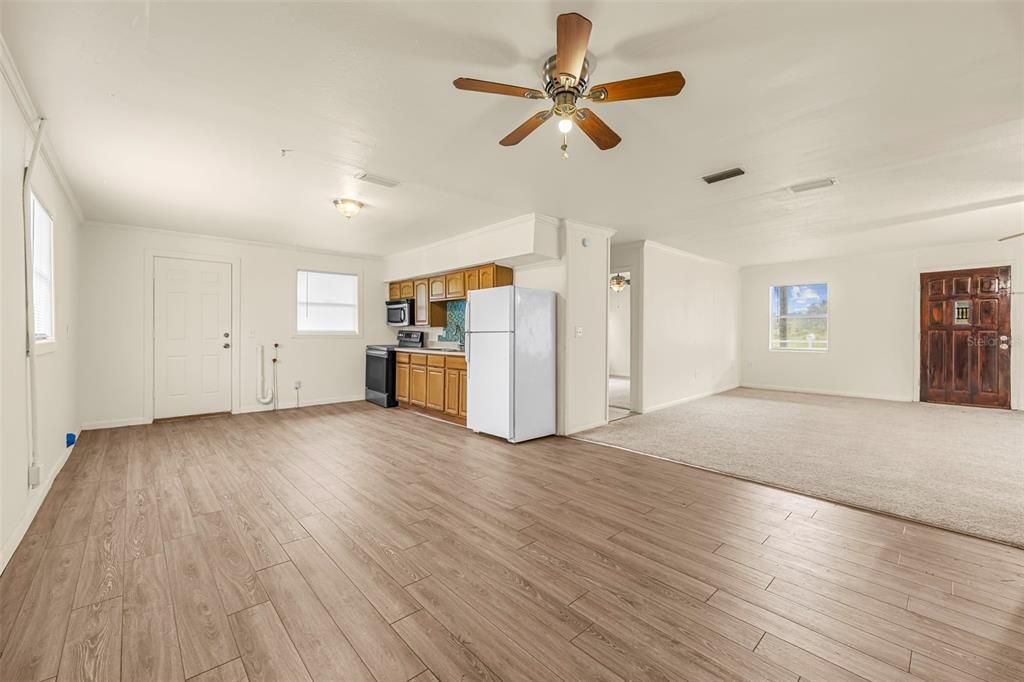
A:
x: 303, y: 333
x: 827, y: 317
x: 46, y: 344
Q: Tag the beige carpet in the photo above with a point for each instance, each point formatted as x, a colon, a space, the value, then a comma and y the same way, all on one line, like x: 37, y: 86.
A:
x: 960, y: 468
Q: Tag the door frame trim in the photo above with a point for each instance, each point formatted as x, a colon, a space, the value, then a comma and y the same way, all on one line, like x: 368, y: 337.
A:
x: 1016, y: 320
x: 149, y: 304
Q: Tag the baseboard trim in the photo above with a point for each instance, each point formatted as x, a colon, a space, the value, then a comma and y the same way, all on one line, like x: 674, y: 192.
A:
x: 305, y: 403
x: 40, y: 493
x: 687, y: 399
x: 587, y: 427
x: 116, y: 423
x: 839, y: 394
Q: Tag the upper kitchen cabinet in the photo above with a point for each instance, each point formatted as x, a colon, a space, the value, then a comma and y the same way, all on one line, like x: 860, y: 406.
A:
x: 429, y: 313
x: 437, y: 292
x: 493, y: 276
x: 455, y: 285
x: 448, y: 286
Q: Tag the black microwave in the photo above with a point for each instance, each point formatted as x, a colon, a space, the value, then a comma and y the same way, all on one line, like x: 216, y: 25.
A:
x: 401, y: 312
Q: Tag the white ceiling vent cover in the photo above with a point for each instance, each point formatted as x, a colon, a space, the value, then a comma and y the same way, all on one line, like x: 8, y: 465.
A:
x: 376, y: 179
x: 812, y: 184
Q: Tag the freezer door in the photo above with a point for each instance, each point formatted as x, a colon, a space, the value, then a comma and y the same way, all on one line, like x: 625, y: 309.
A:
x: 490, y: 383
x: 490, y: 310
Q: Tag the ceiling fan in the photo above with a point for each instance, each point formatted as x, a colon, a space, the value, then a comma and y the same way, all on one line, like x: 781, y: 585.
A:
x: 566, y: 79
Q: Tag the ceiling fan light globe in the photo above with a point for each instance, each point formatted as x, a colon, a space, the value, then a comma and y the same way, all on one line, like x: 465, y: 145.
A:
x: 565, y: 125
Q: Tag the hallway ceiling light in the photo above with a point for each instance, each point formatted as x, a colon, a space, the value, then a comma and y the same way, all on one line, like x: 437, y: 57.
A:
x: 617, y: 282
x: 348, y: 207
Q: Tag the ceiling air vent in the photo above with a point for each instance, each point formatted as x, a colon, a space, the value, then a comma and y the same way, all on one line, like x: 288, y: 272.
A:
x: 812, y: 184
x: 723, y: 175
x: 376, y: 179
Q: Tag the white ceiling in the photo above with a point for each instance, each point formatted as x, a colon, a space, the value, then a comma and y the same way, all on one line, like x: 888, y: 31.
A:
x: 173, y: 115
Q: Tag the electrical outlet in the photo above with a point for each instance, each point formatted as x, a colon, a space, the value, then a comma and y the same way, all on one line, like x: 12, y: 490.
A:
x: 298, y: 384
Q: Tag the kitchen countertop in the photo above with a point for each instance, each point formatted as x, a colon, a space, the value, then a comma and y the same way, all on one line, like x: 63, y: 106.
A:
x: 433, y: 351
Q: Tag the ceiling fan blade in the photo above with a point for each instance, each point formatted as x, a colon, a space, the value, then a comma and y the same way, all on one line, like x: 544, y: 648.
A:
x: 1010, y: 236
x: 573, y: 37
x: 661, y: 85
x: 474, y: 85
x: 531, y: 124
x: 596, y: 129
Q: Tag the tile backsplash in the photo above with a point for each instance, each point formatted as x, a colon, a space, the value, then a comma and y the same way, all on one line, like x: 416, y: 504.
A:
x: 454, y: 331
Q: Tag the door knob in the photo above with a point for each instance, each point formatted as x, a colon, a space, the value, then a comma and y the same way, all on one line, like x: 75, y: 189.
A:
x: 227, y: 345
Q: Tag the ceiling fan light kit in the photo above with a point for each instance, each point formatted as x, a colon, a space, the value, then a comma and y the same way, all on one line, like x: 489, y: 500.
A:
x: 566, y: 77
x: 348, y: 207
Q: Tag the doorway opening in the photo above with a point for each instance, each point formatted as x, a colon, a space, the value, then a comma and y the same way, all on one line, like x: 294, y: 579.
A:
x: 965, y: 337
x: 620, y: 384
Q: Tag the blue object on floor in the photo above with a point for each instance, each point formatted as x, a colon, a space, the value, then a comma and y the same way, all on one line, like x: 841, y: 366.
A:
x: 70, y: 440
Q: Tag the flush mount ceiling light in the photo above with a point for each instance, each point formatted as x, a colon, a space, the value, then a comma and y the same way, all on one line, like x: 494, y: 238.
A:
x: 812, y: 184
x: 348, y: 207
x: 617, y: 282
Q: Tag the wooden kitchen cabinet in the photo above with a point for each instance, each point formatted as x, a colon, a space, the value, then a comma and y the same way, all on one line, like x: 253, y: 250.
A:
x: 451, y: 392
x: 471, y: 279
x: 394, y: 291
x: 492, y: 275
x: 455, y: 285
x: 417, y: 383
x: 456, y: 385
x: 428, y: 313
x: 435, y: 382
x: 407, y: 289
x: 402, y: 377
x: 437, y: 292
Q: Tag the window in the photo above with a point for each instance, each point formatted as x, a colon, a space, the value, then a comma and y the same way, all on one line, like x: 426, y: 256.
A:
x: 42, y: 271
x: 799, y: 317
x: 328, y: 303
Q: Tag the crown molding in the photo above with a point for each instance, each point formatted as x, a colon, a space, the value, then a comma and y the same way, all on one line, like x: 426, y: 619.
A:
x: 181, y: 234
x: 31, y: 116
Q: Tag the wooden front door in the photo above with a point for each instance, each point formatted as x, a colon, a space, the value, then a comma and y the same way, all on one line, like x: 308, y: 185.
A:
x: 965, y: 337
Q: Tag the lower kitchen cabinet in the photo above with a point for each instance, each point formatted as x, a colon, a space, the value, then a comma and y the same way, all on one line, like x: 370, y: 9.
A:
x: 402, y: 377
x: 434, y: 382
x: 418, y: 380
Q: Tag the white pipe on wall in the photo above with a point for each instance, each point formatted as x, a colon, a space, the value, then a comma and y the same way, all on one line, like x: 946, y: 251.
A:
x: 263, y: 395
x: 30, y: 312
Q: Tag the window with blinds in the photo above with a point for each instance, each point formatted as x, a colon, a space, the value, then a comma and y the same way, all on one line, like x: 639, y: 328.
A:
x: 328, y: 303
x: 42, y: 271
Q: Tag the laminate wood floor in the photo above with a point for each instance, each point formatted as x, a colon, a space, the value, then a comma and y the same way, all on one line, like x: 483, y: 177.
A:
x: 348, y: 542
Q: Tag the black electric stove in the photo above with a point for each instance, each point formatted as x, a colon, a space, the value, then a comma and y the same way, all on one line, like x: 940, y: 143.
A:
x: 380, y: 367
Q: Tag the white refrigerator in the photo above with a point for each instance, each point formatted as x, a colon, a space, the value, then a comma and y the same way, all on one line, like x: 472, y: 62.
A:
x: 510, y: 350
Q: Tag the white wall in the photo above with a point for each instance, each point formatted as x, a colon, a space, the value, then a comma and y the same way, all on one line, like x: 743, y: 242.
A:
x: 873, y: 320
x: 690, y: 323
x: 523, y: 240
x: 55, y: 370
x: 115, y: 382
x: 579, y: 277
x: 618, y: 331
x: 587, y: 255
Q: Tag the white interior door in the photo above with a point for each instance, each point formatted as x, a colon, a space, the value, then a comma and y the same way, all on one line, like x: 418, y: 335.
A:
x: 191, y: 337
